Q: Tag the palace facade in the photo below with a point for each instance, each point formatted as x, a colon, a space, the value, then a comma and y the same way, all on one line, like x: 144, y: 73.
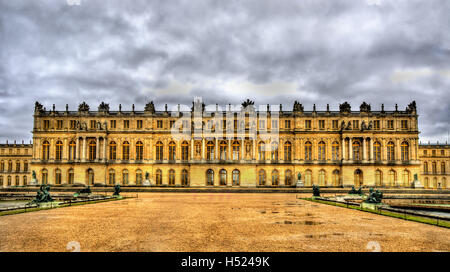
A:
x: 240, y: 146
x: 435, y: 160
x: 14, y: 164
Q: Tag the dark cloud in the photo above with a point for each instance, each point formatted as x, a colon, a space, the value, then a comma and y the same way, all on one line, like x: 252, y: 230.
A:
x: 318, y: 52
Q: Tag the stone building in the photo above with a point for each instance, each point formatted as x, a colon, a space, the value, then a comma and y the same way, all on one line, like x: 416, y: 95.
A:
x: 435, y: 160
x: 232, y: 146
x: 14, y: 164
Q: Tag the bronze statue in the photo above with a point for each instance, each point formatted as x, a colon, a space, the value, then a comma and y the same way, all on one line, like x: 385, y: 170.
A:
x: 42, y: 195
x: 353, y: 191
x: 86, y: 190
x: 374, y: 196
x: 316, y: 190
x: 116, y: 190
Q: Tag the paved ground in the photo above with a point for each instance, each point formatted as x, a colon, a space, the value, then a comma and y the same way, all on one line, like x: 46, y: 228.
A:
x: 215, y: 222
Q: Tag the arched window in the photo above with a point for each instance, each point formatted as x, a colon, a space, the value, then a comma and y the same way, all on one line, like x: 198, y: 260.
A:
x: 1, y: 181
x: 184, y: 178
x: 308, y: 151
x: 444, y: 183
x: 92, y: 150
x: 261, y: 151
x: 308, y: 178
x: 185, y: 150
x: 125, y: 178
x: 90, y: 177
x: 236, y: 177
x: 223, y: 150
x: 427, y: 183
x: 406, y: 177
x: 138, y: 177
x: 112, y: 177
x: 405, y: 151
x: 335, y: 151
x: 45, y: 150
x: 57, y: 177
x: 356, y: 150
x: 378, y: 178
x: 392, y: 178
x: 288, y: 180
x: 322, y: 181
x: 390, y: 151
x: 223, y: 177
x: 262, y: 177
x: 10, y: 166
x: 112, y: 150
x: 9, y: 181
x: 17, y: 166
x: 17, y: 181
x: 435, y: 185
x: 72, y: 150
x: 322, y: 148
x: 24, y: 179
x: 159, y: 151
x: 275, y: 178
x: 139, y: 151
x: 125, y: 151
x: 443, y: 168
x: 59, y: 150
x: 274, y: 151
x: 158, y: 177
x: 336, y: 179
x: 171, y: 177
x: 358, y: 178
x: 210, y: 150
x: 172, y: 153
x: 209, y: 177
x: 44, y: 179
x: 287, y: 151
x: 377, y: 151
x: 70, y: 176
x: 236, y: 150
x: 434, y: 167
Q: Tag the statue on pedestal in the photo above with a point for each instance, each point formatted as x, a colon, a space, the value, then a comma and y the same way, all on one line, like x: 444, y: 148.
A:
x: 116, y: 190
x: 416, y: 183
x: 42, y: 195
x: 316, y: 190
x: 299, y: 180
x: 374, y: 196
x: 147, y: 180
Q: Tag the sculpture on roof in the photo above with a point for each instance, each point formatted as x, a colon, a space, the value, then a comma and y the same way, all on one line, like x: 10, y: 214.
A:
x: 103, y: 107
x: 297, y: 107
x: 364, y: 107
x: 84, y: 107
x: 345, y: 107
x: 150, y: 107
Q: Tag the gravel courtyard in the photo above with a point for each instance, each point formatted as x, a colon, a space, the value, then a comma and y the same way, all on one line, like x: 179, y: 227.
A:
x: 215, y: 222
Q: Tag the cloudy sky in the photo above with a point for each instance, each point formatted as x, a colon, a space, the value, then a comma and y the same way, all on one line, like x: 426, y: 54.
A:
x: 117, y: 51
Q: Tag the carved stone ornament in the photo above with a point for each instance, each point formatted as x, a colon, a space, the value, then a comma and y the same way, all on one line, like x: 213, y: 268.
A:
x: 83, y: 107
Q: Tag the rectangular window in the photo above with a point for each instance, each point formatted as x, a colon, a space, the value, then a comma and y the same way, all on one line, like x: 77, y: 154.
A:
x: 335, y: 124
x: 355, y: 124
x: 224, y: 124
x: 390, y: 124
x: 262, y: 124
x: 93, y: 124
x: 287, y: 124
x: 376, y: 124
x: 159, y: 124
x: 126, y: 124
x: 46, y: 124
x: 139, y: 124
x: 274, y: 123
x: 59, y: 124
x: 308, y: 124
x: 171, y: 123
x: 321, y: 124
x: 73, y: 124
x: 404, y: 124
x: 112, y: 123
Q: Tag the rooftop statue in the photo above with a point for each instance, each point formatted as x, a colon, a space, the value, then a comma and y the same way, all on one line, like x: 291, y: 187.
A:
x: 345, y: 107
x: 298, y: 107
x: 103, y: 107
x: 411, y: 107
x: 38, y: 107
x: 364, y: 107
x: 83, y: 107
x: 247, y: 103
x: 150, y: 107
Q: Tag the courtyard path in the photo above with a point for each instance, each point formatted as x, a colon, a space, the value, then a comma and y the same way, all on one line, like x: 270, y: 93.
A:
x: 215, y: 222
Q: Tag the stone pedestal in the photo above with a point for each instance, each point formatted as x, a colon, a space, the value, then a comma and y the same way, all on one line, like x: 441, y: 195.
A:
x: 371, y: 206
x: 417, y: 184
x: 33, y: 182
x: 300, y: 183
x: 147, y: 183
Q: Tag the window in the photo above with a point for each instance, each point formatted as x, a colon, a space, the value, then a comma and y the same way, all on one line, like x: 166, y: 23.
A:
x: 17, y: 180
x: 184, y: 178
x: 405, y: 151
x: 24, y: 179
x: 223, y: 150
x: 236, y: 177
x: 335, y: 151
x: 138, y: 177
x: 308, y: 124
x: 159, y: 124
x: 112, y: 150
x: 308, y: 151
x: 126, y: 124
x: 391, y: 151
x: 378, y: 178
x: 171, y: 177
x: 443, y: 167
x: 392, y: 177
x: 45, y: 150
x: 355, y: 124
x: 321, y: 124
x: 356, y: 150
x: 57, y: 177
x: 336, y: 179
x: 434, y: 168
x: 44, y: 176
x: 274, y: 151
x: 322, y: 152
x: 59, y: 150
x: 262, y: 177
x: 262, y: 124
x: 390, y: 124
x: 223, y: 177
x: 425, y: 167
x: 172, y: 147
x: 376, y: 124
x: 171, y: 124
x: 126, y: 151
x: 404, y: 124
x: 159, y: 151
x: 275, y: 178
x: 93, y: 123
x: 210, y: 150
x: 288, y: 178
x: 72, y: 150
x: 261, y: 151
x: 377, y: 151
x: 335, y: 124
x: 139, y: 151
x: 287, y: 151
x: 287, y: 124
x: 158, y: 178
x: 274, y: 124
x: 112, y: 123
x: 70, y: 176
x: 92, y: 150
x: 10, y: 166
x: 125, y: 177
x: 406, y: 177
x: 236, y: 150
x: 59, y: 124
x: 25, y: 166
x: 2, y: 166
x: 185, y: 150
x: 322, y: 181
x: 209, y: 177
x: 73, y: 124
x: 112, y: 177
x: 46, y: 124
x: 139, y: 124
x: 308, y: 178
x: 17, y: 166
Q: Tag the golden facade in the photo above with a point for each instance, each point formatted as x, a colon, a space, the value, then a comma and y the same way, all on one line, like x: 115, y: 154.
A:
x: 14, y: 164
x: 435, y: 160
x: 242, y: 147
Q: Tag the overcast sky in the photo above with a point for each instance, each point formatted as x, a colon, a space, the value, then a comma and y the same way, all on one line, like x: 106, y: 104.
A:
x: 274, y: 52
